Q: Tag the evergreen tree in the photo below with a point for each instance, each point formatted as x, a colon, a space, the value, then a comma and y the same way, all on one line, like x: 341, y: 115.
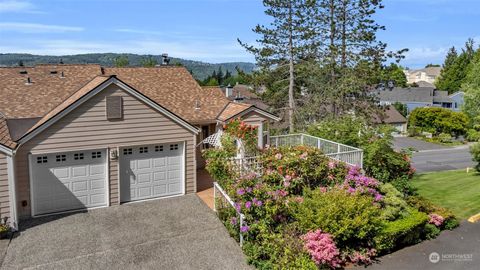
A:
x: 284, y: 42
x: 471, y: 86
x: 455, y: 68
x: 121, y: 61
x: 148, y: 62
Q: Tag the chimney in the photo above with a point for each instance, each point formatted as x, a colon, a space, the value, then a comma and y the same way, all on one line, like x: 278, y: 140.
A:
x: 228, y: 91
x: 165, y: 59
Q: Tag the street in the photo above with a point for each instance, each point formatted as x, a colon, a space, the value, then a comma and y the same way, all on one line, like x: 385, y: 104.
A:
x: 433, y: 157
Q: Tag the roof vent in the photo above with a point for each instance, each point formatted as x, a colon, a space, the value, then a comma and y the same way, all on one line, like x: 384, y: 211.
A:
x: 29, y: 81
x: 165, y: 59
x: 197, y: 105
x: 23, y: 72
x: 62, y: 75
x: 228, y: 91
x: 53, y: 72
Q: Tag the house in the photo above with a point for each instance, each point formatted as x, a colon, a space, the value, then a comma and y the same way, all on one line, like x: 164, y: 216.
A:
x: 244, y: 94
x: 422, y: 76
x: 393, y: 117
x: 84, y: 136
x: 416, y: 97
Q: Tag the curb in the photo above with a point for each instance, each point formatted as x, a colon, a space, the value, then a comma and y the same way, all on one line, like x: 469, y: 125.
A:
x: 474, y: 218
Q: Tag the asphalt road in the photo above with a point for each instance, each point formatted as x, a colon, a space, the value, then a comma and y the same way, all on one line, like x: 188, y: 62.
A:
x: 456, y: 250
x: 433, y: 157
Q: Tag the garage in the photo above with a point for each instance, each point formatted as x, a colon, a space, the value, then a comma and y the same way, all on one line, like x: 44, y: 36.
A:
x: 151, y: 171
x: 68, y: 181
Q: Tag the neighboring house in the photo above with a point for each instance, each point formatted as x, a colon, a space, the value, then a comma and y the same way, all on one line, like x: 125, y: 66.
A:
x: 83, y: 136
x: 244, y: 94
x: 391, y: 116
x: 428, y: 75
x: 416, y: 97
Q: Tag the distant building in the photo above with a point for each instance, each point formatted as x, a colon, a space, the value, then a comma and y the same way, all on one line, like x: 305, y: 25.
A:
x: 427, y: 75
x: 416, y: 97
x: 391, y: 116
x: 245, y: 94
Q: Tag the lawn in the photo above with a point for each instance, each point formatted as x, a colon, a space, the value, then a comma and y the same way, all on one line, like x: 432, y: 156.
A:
x: 457, y: 190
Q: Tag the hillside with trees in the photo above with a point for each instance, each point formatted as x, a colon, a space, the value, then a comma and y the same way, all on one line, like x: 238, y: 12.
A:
x: 200, y: 70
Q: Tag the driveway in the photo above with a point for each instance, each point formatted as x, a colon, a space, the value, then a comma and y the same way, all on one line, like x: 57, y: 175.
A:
x: 174, y: 233
x: 458, y: 250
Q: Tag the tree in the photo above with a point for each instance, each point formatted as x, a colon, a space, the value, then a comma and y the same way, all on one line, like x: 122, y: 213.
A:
x: 148, y: 62
x: 401, y: 108
x: 284, y: 42
x: 455, y: 68
x: 121, y: 61
x: 394, y: 73
x: 471, y: 87
x: 211, y: 82
x: 433, y: 65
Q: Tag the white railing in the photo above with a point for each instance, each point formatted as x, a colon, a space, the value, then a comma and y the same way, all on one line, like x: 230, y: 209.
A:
x: 341, y: 152
x: 222, y: 200
x: 246, y: 165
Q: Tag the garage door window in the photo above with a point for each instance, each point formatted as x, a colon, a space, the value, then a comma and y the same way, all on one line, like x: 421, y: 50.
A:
x: 96, y: 154
x: 78, y: 156
x: 158, y: 148
x: 41, y: 160
x: 127, y: 151
x: 61, y: 158
x: 143, y: 150
x: 173, y: 147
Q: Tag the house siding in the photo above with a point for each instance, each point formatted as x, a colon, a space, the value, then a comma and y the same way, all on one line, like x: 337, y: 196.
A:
x: 87, y: 127
x: 253, y: 118
x: 4, y: 195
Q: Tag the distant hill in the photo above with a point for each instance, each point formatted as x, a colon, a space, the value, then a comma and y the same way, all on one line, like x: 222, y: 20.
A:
x: 199, y: 69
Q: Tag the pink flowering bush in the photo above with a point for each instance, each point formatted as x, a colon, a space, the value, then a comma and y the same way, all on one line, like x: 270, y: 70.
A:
x: 436, y: 220
x: 357, y: 182
x: 322, y: 248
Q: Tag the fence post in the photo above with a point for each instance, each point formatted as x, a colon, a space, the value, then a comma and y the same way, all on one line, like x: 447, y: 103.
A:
x: 301, y: 139
x: 240, y: 230
x: 214, y: 198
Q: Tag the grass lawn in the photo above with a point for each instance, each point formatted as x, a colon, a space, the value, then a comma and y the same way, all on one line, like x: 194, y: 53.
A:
x: 456, y: 190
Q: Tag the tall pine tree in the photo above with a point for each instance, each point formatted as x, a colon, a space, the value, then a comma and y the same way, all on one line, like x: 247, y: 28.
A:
x: 285, y: 42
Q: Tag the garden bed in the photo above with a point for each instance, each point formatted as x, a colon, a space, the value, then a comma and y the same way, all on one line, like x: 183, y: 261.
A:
x: 306, y: 211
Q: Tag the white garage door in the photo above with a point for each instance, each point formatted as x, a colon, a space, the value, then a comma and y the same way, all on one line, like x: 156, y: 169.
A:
x: 151, y: 171
x: 68, y: 181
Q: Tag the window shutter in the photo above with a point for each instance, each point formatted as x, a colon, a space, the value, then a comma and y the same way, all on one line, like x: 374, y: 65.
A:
x: 114, y: 107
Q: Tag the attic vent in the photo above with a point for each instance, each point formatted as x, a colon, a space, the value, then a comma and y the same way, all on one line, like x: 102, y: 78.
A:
x: 53, y: 72
x: 114, y: 108
x: 197, y: 105
x: 29, y: 81
x: 23, y: 72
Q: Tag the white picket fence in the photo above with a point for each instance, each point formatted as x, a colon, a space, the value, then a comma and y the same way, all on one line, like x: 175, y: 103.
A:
x: 222, y: 200
x: 337, y: 151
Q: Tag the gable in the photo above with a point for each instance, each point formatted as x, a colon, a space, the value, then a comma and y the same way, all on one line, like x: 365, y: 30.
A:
x: 88, y: 127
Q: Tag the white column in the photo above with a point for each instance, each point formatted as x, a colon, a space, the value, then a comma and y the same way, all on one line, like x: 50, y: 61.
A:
x: 260, y: 135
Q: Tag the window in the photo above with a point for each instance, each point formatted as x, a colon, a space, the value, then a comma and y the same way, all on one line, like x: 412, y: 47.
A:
x: 61, y: 158
x: 143, y: 150
x: 78, y: 156
x: 127, y: 151
x: 173, y: 147
x: 43, y: 159
x: 96, y: 154
x: 158, y: 148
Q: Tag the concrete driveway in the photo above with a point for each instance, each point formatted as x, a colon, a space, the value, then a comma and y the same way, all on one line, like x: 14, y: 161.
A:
x: 174, y: 233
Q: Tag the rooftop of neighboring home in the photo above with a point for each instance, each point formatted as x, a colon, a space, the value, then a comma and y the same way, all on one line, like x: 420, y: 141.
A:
x: 30, y: 96
x: 390, y: 115
x: 414, y: 94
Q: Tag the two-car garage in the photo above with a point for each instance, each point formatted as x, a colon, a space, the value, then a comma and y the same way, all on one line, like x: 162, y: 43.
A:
x: 75, y: 180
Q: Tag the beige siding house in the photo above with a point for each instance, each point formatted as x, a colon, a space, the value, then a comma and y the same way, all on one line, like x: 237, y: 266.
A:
x: 75, y: 137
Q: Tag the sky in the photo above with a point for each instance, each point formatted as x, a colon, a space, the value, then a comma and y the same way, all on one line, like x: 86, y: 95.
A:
x: 207, y: 30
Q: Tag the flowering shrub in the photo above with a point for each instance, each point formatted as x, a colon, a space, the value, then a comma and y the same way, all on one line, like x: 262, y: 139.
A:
x: 241, y: 130
x: 307, y: 211
x: 436, y: 220
x: 322, y: 248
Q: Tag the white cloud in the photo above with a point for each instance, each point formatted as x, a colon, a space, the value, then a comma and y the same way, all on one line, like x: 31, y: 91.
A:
x: 17, y: 6
x: 37, y: 28
x: 420, y: 56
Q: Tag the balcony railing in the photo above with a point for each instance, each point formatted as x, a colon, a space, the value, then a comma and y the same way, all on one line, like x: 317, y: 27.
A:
x: 337, y: 151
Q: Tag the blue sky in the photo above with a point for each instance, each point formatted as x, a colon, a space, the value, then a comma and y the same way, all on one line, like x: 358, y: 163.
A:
x: 207, y: 30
